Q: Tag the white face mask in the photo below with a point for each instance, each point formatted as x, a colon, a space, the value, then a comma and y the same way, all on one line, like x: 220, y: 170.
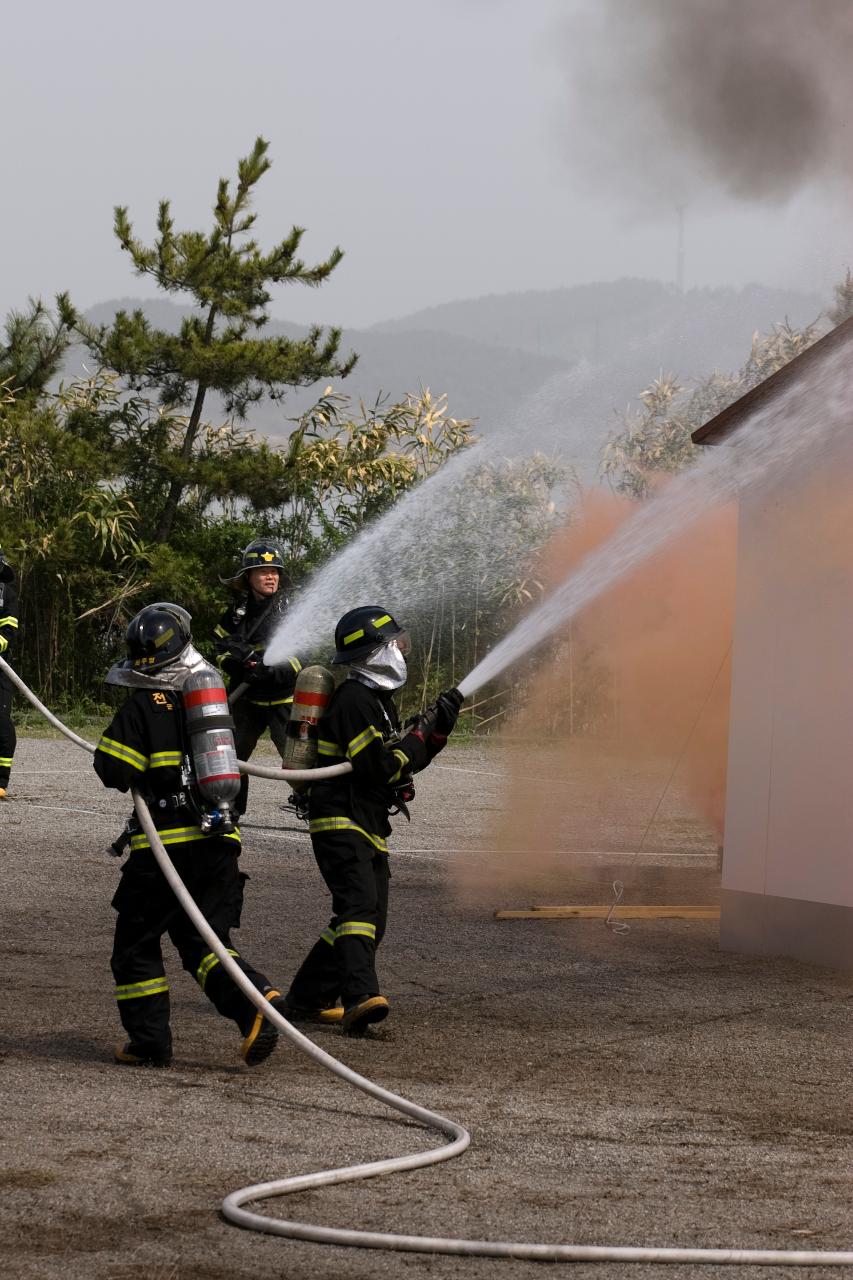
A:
x: 385, y: 668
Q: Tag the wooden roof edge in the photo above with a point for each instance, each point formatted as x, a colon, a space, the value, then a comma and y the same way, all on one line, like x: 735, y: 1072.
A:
x: 724, y: 422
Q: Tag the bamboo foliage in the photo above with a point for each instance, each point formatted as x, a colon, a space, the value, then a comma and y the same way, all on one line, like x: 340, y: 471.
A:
x: 656, y: 439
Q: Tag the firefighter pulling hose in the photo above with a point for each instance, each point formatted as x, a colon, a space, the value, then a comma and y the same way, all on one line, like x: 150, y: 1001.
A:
x: 171, y: 741
x: 459, y: 1138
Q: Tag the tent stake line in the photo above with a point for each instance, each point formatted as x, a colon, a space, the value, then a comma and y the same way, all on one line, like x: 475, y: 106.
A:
x: 615, y: 913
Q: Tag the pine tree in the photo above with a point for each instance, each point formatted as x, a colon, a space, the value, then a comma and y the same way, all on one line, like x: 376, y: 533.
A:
x: 35, y: 345
x: 218, y: 347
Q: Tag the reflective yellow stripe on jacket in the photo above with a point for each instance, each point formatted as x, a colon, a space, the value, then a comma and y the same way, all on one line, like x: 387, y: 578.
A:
x: 178, y: 835
x: 11, y: 622
x: 362, y: 740
x: 405, y: 763
x: 122, y: 752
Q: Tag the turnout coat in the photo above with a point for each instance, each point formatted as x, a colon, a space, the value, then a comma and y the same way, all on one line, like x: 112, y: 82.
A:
x: 245, y: 629
x: 362, y: 726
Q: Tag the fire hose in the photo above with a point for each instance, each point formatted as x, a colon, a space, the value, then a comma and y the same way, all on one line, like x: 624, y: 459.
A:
x: 232, y: 1206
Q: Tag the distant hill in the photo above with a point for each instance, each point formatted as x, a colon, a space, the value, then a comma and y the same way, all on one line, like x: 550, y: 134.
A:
x: 481, y: 380
x: 550, y: 368
x: 593, y: 320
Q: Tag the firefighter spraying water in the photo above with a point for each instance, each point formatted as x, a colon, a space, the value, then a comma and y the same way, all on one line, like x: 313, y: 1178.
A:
x: 260, y: 695
x: 349, y: 817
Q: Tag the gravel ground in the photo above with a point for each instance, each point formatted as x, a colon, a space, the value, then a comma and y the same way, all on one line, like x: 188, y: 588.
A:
x: 636, y: 1088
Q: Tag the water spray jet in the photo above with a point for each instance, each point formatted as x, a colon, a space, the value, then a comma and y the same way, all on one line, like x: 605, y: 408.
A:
x: 758, y: 452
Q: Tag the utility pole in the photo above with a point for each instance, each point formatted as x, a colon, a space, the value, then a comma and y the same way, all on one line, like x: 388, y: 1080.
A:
x: 679, y: 257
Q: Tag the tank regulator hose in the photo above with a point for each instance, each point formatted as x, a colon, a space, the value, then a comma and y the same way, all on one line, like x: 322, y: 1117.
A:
x: 257, y: 771
x: 459, y: 1138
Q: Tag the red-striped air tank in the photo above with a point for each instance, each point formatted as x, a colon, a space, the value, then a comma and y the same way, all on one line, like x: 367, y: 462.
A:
x: 314, y: 688
x: 210, y: 730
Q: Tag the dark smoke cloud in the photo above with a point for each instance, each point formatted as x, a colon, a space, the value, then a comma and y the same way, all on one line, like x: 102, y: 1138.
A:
x: 670, y: 99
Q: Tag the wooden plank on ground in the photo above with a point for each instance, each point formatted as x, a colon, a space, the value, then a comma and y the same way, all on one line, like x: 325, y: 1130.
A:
x: 619, y: 913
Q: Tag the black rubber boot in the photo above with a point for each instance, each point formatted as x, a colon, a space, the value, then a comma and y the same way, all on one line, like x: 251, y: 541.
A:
x: 359, y: 1016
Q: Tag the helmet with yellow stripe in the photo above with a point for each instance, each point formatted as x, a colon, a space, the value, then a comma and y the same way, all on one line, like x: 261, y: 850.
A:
x: 157, y: 636
x: 364, y: 629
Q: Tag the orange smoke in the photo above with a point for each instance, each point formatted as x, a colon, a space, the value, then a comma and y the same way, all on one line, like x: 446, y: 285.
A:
x: 663, y: 639
x: 640, y: 680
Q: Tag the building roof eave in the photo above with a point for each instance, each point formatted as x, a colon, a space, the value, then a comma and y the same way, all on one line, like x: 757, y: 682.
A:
x: 728, y: 419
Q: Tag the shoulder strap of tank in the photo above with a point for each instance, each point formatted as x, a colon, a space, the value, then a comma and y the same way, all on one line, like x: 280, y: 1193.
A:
x: 269, y: 611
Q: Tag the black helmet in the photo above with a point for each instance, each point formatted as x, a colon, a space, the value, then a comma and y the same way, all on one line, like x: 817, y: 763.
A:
x: 362, y: 630
x: 157, y: 636
x: 259, y: 554
x: 7, y: 573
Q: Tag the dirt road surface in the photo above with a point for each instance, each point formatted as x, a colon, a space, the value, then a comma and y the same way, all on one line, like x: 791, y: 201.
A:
x: 634, y: 1088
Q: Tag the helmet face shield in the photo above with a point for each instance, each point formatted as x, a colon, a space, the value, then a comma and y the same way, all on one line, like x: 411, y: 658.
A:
x: 403, y: 642
x: 384, y: 668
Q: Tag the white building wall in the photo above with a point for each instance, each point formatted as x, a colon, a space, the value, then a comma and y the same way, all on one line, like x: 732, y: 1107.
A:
x: 788, y: 854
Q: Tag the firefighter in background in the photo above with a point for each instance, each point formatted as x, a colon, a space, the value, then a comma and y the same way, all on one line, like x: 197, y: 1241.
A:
x: 349, y: 816
x: 145, y: 745
x: 8, y: 632
x: 260, y: 696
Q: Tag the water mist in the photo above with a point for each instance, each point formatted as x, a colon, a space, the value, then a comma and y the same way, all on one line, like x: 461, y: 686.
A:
x: 809, y: 416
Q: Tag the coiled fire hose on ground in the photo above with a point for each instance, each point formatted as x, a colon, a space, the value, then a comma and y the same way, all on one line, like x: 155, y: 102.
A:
x: 459, y: 1137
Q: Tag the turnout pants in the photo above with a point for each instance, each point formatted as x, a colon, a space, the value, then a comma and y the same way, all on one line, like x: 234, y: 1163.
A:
x: 342, y: 963
x: 8, y: 737
x: 250, y: 720
x: 147, y: 908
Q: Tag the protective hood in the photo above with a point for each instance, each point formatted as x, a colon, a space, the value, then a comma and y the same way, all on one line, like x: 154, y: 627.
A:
x: 384, y: 668
x: 170, y: 679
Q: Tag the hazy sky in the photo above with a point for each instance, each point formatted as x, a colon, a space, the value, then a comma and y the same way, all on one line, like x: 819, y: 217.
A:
x: 441, y: 143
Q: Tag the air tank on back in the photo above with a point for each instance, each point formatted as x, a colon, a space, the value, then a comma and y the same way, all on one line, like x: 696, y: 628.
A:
x: 314, y: 688
x: 214, y: 756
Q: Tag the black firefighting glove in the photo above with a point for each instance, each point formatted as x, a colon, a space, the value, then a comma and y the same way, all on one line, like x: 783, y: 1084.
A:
x: 418, y: 731
x: 423, y: 724
x: 447, y: 706
x: 235, y: 648
x: 253, y: 666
